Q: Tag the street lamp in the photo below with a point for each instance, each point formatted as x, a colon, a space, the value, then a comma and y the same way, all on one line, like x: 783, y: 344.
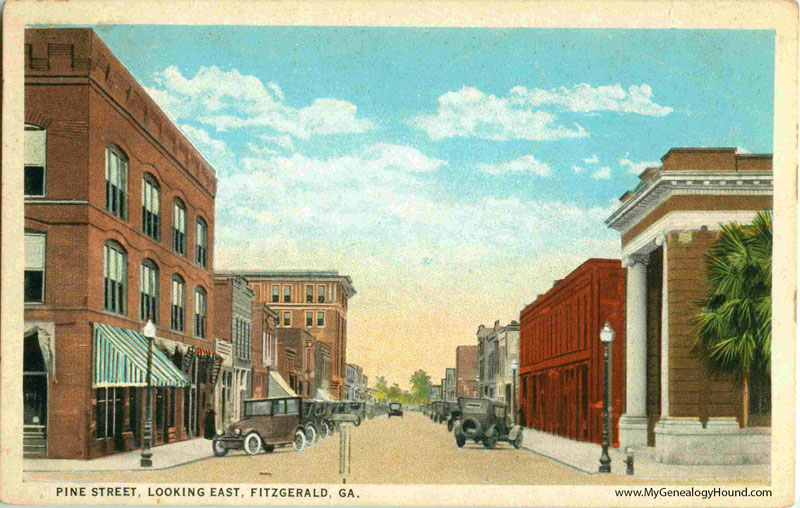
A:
x: 149, y: 331
x: 514, y: 367
x: 607, y: 337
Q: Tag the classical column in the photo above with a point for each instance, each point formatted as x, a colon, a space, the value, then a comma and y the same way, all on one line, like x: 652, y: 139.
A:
x: 633, y: 424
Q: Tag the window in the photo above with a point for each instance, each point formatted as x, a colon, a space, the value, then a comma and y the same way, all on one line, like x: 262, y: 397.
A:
x: 287, y: 319
x: 179, y: 227
x: 35, y: 247
x: 177, y: 306
x: 321, y: 319
x: 275, y: 296
x: 151, y: 207
x: 202, y: 242
x: 320, y: 294
x: 287, y: 294
x: 115, y: 275
x: 200, y: 308
x: 109, y: 409
x: 148, y: 291
x: 309, y: 318
x: 117, y: 182
x: 35, y: 154
x: 279, y: 407
x: 309, y: 294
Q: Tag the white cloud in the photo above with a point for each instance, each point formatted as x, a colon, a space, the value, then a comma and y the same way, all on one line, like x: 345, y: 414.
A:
x: 469, y: 112
x: 231, y: 100
x: 584, y: 98
x: 577, y: 169
x: 603, y: 173
x: 591, y: 160
x: 527, y: 164
x: 637, y: 167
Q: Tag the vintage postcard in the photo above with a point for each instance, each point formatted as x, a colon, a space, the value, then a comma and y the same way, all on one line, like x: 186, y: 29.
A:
x: 399, y: 253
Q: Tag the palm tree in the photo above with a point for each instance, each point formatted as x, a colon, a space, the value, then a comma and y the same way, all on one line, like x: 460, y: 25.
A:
x: 735, y: 324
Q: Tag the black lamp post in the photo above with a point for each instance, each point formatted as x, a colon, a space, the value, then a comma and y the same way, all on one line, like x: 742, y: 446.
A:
x: 149, y: 331
x: 607, y: 337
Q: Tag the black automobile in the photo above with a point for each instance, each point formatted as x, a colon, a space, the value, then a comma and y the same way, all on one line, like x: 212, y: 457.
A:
x: 315, y: 421
x: 437, y: 415
x: 395, y: 409
x: 484, y: 421
x: 452, y: 413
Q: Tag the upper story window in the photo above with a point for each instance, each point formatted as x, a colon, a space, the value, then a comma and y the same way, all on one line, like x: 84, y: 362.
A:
x: 287, y: 294
x: 151, y: 207
x: 287, y: 319
x: 200, y: 312
x: 321, y: 294
x: 115, y: 275
x: 177, y: 306
x: 179, y: 227
x: 321, y: 319
x: 275, y: 294
x: 309, y: 318
x: 148, y: 291
x: 35, y: 155
x: 35, y: 253
x: 309, y: 294
x: 201, y: 248
x: 117, y: 182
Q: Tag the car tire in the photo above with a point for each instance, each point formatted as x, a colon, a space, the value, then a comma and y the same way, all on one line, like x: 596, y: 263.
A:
x: 311, y: 435
x: 489, y: 442
x: 299, y: 440
x: 219, y: 449
x: 518, y: 441
x: 460, y: 441
x: 450, y: 426
x: 471, y: 428
x: 326, y: 430
x: 357, y: 422
x: 252, y: 443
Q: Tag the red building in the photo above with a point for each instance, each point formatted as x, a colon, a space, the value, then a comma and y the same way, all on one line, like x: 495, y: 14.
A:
x: 561, y: 355
x: 466, y: 371
x: 119, y: 226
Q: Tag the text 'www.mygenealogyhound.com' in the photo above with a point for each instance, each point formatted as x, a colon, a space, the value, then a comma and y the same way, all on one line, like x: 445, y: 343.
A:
x: 665, y: 492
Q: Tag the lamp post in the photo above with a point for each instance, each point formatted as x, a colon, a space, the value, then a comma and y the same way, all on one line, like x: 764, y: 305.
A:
x: 607, y: 337
x: 149, y: 331
x: 514, y: 411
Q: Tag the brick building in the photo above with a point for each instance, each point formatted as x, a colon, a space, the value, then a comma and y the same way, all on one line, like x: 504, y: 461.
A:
x: 561, y: 355
x: 467, y: 371
x: 315, y: 301
x: 265, y: 347
x: 119, y: 226
x: 668, y: 223
x: 291, y: 353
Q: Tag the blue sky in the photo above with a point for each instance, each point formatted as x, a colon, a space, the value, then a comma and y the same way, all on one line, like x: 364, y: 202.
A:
x: 453, y: 173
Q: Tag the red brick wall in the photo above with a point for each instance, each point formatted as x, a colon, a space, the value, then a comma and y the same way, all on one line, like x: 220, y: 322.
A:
x: 466, y: 371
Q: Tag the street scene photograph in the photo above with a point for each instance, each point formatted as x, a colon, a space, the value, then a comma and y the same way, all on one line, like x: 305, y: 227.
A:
x: 333, y: 256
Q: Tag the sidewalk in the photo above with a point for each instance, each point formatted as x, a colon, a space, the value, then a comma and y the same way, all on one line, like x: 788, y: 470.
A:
x: 586, y: 457
x: 164, y: 457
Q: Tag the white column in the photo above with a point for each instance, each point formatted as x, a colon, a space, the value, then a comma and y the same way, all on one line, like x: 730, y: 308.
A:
x: 633, y: 424
x: 664, y: 330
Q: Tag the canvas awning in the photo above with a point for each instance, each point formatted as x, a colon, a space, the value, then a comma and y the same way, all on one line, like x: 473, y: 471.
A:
x: 278, y: 387
x: 120, y: 359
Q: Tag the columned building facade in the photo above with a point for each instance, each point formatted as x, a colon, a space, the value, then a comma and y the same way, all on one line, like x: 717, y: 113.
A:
x: 668, y: 224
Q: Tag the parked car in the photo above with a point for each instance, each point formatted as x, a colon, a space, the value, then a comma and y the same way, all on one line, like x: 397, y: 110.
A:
x: 484, y: 421
x: 315, y: 421
x: 438, y: 411
x: 267, y: 423
x: 452, y: 414
x: 344, y: 412
x: 395, y: 409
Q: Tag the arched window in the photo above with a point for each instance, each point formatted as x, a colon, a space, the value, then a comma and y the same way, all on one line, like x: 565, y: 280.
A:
x: 35, y: 158
x: 115, y: 275
x: 201, y: 236
x: 148, y: 291
x: 178, y: 303
x: 117, y: 182
x: 151, y: 207
x: 200, y: 311
x: 179, y: 227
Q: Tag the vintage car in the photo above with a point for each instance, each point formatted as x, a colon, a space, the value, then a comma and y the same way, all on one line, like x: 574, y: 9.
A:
x: 437, y: 414
x: 315, y: 420
x: 395, y: 409
x: 452, y: 413
x: 267, y: 423
x: 346, y: 412
x: 484, y: 421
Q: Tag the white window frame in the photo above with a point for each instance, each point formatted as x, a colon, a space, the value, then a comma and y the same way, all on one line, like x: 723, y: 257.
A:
x: 309, y: 318
x: 42, y: 237
x: 114, y: 153
x: 34, y: 163
x: 320, y: 313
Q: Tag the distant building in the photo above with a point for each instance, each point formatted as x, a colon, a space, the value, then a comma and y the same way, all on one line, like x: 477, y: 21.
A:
x: 487, y: 357
x: 449, y: 384
x: 353, y: 382
x: 315, y: 301
x: 265, y: 348
x: 295, y: 354
x: 467, y: 371
x: 668, y: 224
x: 322, y: 369
x: 436, y: 392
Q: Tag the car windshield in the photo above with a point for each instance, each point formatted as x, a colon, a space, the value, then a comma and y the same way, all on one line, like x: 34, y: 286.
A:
x: 394, y: 405
x: 355, y: 405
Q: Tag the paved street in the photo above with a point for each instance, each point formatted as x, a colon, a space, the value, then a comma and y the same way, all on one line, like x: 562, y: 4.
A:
x: 412, y: 450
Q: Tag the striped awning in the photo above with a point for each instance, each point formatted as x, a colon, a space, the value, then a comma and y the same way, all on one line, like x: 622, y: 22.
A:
x: 278, y: 387
x: 120, y: 359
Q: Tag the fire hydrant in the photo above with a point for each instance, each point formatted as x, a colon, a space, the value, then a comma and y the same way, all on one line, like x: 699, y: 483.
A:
x: 629, y: 461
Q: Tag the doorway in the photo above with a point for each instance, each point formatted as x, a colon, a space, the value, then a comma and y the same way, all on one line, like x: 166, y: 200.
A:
x: 34, y: 392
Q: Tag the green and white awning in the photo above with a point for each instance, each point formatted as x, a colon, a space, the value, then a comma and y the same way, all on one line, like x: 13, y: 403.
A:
x: 120, y: 359
x: 278, y: 387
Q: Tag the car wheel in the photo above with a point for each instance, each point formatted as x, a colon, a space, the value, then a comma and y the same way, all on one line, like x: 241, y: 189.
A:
x: 471, y: 428
x: 326, y: 430
x: 488, y: 442
x: 252, y: 443
x: 357, y: 422
x: 450, y: 426
x: 299, y: 440
x: 311, y: 434
x: 518, y: 441
x: 219, y: 448
x: 460, y: 441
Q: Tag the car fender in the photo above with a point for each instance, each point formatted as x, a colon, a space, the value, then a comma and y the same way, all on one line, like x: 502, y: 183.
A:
x: 491, y: 431
x: 457, y: 428
x: 515, y: 431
